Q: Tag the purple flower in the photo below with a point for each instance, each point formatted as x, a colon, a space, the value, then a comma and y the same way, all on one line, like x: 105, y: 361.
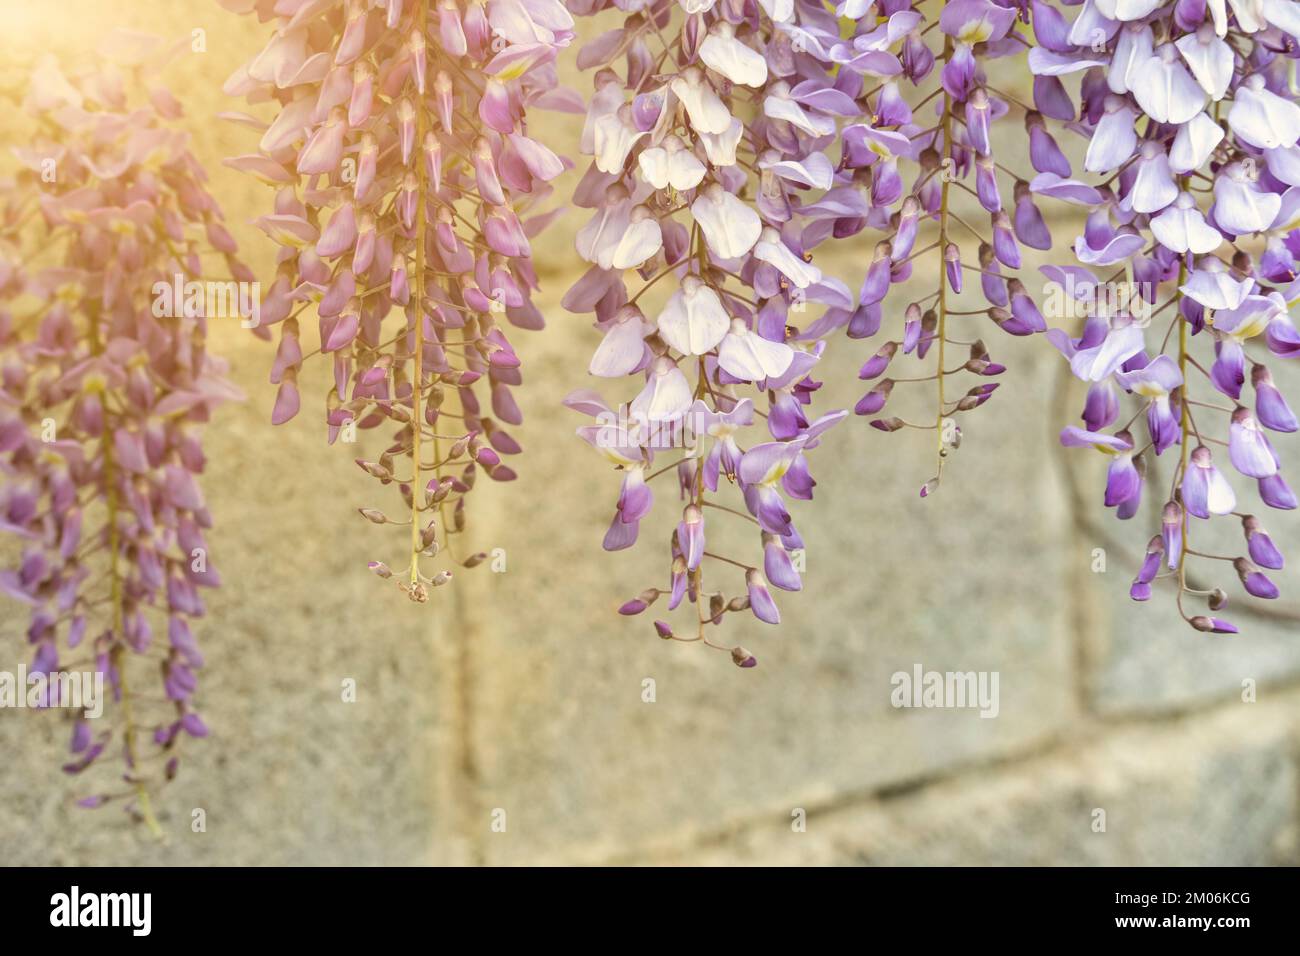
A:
x: 760, y: 600
x: 1271, y: 408
x: 727, y: 204
x: 1205, y: 490
x: 410, y: 126
x: 1160, y: 81
x: 1254, y: 580
x: 1249, y: 449
x: 1262, y: 550
x: 118, y: 539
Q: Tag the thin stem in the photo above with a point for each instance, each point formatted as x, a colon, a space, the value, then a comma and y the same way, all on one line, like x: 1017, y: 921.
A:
x: 118, y: 653
x: 1186, y: 420
x: 941, y: 332
x: 718, y: 557
x: 738, y: 514
x: 417, y: 419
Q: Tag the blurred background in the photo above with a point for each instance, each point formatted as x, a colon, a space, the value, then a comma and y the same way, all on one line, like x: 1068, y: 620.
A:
x: 518, y: 696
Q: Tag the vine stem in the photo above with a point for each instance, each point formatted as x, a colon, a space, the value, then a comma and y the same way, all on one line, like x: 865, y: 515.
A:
x: 417, y: 423
x: 943, y: 245
x: 1186, y: 414
x: 1185, y: 418
x: 117, y: 656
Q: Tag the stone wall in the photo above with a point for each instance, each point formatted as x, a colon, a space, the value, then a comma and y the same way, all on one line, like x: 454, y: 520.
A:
x: 522, y: 691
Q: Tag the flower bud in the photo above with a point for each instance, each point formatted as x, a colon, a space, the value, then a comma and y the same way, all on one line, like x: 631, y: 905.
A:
x: 742, y: 658
x: 1212, y: 625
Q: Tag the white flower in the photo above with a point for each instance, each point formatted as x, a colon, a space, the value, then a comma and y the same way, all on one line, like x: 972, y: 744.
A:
x: 721, y: 51
x: 671, y: 164
x: 1210, y: 58
x: 666, y: 396
x: 720, y: 148
x: 730, y: 226
x: 1284, y: 163
x: 707, y: 112
x: 613, y: 139
x: 772, y: 250
x: 813, y: 170
x: 1153, y: 187
x: 747, y: 355
x: 623, y: 347
x: 642, y: 240
x: 1165, y: 89
x: 1284, y: 15
x: 778, y: 105
x: 1126, y: 9
x: 694, y: 320
x: 1182, y: 228
x: 1240, y: 206
x: 619, y: 236
x: 1194, y: 143
x: 1114, y: 139
x: 781, y: 11
x: 1215, y: 289
x: 1134, y: 47
x: 1262, y: 118
x: 605, y: 101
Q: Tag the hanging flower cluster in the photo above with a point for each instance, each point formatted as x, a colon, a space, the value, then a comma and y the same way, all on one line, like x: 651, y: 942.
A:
x: 406, y: 178
x: 924, y: 107
x: 105, y: 383
x: 710, y: 174
x: 1185, y: 266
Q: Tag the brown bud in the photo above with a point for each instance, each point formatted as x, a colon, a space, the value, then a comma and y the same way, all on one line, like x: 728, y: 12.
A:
x: 458, y: 448
x: 440, y: 491
x: 742, y: 658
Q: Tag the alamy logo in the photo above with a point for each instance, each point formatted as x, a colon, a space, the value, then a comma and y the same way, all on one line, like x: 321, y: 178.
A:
x: 946, y: 690
x: 134, y: 910
x: 621, y: 429
x: 79, y: 690
x: 215, y: 300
